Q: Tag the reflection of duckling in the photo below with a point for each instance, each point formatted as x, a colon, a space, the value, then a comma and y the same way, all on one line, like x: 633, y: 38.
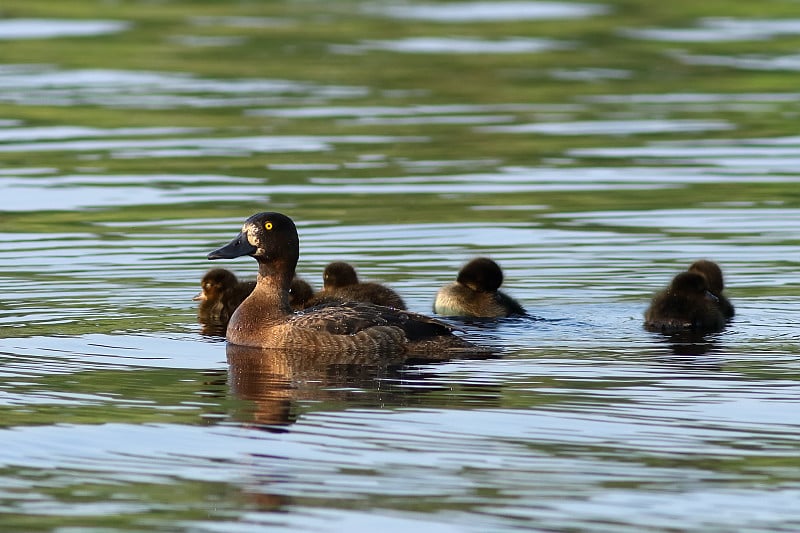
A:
x: 716, y: 285
x: 221, y: 293
x: 340, y: 282
x: 475, y: 293
x: 687, y: 304
x: 352, y: 332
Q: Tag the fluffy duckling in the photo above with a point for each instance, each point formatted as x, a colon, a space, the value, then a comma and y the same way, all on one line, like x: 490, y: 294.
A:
x: 716, y: 285
x: 300, y: 293
x: 350, y: 332
x: 340, y: 282
x: 687, y: 304
x: 220, y: 294
x: 475, y: 293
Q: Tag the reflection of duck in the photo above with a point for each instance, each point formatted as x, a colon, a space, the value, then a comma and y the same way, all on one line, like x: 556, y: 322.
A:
x: 716, y: 285
x: 278, y: 385
x: 341, y: 282
x: 351, y: 332
x: 220, y: 294
x: 687, y: 304
x: 690, y: 343
x: 475, y: 293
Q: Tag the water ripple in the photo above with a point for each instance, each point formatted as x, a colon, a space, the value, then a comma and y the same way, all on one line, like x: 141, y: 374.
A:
x: 45, y: 85
x: 29, y: 28
x: 461, y: 12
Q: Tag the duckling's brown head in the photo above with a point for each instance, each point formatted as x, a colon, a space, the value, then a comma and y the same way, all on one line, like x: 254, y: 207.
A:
x: 481, y: 274
x: 300, y: 292
x: 691, y: 285
x: 339, y: 274
x: 712, y: 272
x: 214, y: 283
x: 268, y: 237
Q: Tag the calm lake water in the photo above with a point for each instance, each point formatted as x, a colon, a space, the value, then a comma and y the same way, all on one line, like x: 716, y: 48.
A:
x: 593, y: 149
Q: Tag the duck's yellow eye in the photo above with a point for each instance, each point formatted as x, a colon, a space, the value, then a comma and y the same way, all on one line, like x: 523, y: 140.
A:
x: 268, y: 225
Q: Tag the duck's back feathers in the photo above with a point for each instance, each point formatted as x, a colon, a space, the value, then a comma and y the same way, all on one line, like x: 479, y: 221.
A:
x: 347, y: 318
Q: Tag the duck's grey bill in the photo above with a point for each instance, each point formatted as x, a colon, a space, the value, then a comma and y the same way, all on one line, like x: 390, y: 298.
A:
x: 236, y: 248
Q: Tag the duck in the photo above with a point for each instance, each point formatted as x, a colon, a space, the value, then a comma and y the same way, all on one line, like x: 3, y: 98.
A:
x: 475, y: 293
x: 220, y: 294
x: 687, y: 304
x: 350, y: 332
x: 716, y: 284
x: 340, y: 281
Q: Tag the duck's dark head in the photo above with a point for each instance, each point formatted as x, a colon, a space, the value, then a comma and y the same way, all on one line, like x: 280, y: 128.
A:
x: 712, y: 272
x: 214, y: 283
x: 481, y: 274
x: 691, y: 285
x: 271, y: 238
x: 339, y: 274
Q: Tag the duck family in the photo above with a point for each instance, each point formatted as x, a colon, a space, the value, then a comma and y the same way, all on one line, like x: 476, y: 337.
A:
x: 281, y: 310
x: 265, y: 318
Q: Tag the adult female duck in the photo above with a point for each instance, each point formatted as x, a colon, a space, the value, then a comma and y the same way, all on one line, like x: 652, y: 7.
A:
x: 265, y: 318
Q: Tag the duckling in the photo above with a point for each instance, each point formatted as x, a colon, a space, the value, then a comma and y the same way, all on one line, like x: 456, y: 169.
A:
x: 687, y: 304
x: 475, y: 293
x: 300, y: 293
x: 352, y: 332
x: 340, y: 282
x: 220, y: 294
x: 716, y: 285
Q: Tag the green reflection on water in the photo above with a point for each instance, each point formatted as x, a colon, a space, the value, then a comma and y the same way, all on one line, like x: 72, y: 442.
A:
x: 300, y: 50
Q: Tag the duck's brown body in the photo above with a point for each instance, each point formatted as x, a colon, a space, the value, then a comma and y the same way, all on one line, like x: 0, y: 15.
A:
x: 345, y: 328
x: 358, y: 331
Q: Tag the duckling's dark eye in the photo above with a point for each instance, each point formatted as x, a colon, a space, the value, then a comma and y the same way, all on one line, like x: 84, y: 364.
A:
x: 267, y: 225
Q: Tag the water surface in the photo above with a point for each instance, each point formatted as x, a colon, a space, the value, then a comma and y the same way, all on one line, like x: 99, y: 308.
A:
x: 594, y: 150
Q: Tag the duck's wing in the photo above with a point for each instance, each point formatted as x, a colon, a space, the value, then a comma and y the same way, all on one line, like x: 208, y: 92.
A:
x: 348, y: 318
